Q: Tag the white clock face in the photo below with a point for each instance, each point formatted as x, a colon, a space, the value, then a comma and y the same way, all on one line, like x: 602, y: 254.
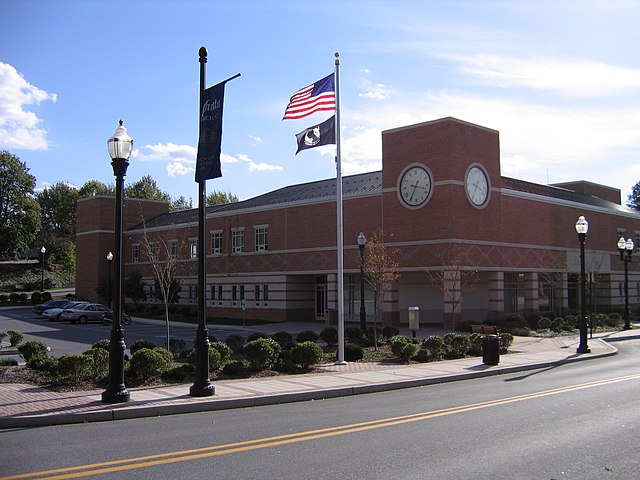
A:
x: 477, y: 186
x: 414, y: 187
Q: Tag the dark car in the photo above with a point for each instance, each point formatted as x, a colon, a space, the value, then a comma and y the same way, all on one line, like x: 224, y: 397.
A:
x: 41, y: 307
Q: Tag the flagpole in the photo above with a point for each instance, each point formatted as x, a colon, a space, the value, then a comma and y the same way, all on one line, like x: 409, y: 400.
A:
x: 340, y: 253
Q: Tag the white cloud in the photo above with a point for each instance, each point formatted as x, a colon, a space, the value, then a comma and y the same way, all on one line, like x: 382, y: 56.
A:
x: 378, y: 91
x: 167, y: 152
x: 255, y: 139
x: 18, y: 127
x: 263, y: 167
x: 177, y: 168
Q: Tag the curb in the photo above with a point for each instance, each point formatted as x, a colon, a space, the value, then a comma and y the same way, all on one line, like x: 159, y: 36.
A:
x: 275, y: 399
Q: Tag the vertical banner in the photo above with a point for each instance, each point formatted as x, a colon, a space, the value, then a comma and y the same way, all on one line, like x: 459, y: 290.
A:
x: 210, y: 141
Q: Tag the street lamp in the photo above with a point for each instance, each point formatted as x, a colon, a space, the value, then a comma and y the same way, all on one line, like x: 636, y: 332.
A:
x: 582, y: 227
x: 109, y: 260
x: 626, y: 246
x: 362, y: 243
x: 42, y: 251
x: 119, y: 146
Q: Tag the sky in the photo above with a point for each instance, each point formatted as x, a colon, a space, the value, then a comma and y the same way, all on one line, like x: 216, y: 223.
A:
x: 560, y: 81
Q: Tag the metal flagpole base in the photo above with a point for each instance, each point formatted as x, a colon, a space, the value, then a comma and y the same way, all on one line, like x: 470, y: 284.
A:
x: 341, y: 363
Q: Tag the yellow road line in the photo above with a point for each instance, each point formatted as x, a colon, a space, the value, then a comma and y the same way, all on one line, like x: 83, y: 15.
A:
x: 269, y: 442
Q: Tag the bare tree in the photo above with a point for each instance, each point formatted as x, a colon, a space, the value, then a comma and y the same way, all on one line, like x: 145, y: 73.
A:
x: 380, y: 272
x: 163, y: 252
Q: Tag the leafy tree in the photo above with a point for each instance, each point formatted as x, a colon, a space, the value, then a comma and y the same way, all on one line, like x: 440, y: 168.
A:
x: 58, y: 210
x: 218, y: 198
x: 146, y: 188
x: 133, y: 287
x: 633, y: 200
x: 19, y: 212
x: 181, y: 203
x: 93, y: 188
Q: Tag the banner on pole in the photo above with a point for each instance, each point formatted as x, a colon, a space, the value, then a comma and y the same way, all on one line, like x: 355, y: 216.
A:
x: 210, y: 140
x: 321, y: 134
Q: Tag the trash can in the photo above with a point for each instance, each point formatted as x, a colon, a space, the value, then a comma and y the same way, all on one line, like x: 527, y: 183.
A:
x: 491, y: 350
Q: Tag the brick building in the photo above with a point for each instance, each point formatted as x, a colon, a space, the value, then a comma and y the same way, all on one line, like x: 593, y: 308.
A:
x: 471, y: 243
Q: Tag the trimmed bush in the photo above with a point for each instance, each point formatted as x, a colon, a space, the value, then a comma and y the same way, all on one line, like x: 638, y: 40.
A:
x: 329, y: 335
x: 100, y: 363
x: 506, y: 339
x: 183, y: 372
x: 15, y: 337
x: 140, y: 344
x: 45, y: 296
x: 571, y: 321
x: 148, y: 363
x: 307, y: 336
x: 434, y: 345
x: 456, y: 345
x: 284, y: 339
x: 75, y: 367
x: 390, y: 331
x: 101, y: 344
x: 354, y: 334
x: 407, y: 352
x: 223, y: 349
x: 306, y: 354
x: 475, y: 344
x: 235, y: 368
x: 43, y: 363
x: 557, y: 323
x: 353, y: 352
x: 31, y: 349
x: 255, y: 336
x: 215, y: 359
x: 8, y: 362
x: 372, y: 333
x: 262, y: 353
x: 544, y: 323
x: 235, y: 342
x: 397, y: 343
x: 176, y: 346
x: 36, y: 297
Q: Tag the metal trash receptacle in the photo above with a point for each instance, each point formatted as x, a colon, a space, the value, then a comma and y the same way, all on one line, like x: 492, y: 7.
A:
x: 491, y: 350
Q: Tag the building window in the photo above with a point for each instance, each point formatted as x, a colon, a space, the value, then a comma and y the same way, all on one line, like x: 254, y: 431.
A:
x: 261, y: 238
x: 193, y: 248
x: 193, y: 293
x: 237, y: 241
x: 234, y: 293
x: 213, y: 292
x: 637, y: 245
x: 265, y: 293
x: 241, y: 292
x: 257, y: 294
x: 620, y: 232
x: 173, y: 249
x: 216, y: 242
x: 153, y: 251
x: 135, y: 253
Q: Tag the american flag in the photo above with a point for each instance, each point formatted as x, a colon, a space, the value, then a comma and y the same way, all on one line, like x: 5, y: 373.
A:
x: 316, y: 97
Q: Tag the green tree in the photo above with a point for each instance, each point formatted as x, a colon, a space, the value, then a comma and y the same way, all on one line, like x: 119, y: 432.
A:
x: 181, y: 203
x: 633, y: 200
x: 146, y: 188
x: 58, y: 210
x: 218, y: 198
x: 19, y: 212
x: 133, y: 287
x: 93, y: 188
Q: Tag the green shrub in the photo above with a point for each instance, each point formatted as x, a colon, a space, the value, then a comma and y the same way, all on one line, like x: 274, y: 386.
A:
x: 390, y: 331
x: 434, y: 345
x: 353, y: 352
x: 100, y: 363
x: 307, y: 336
x: 306, y: 354
x: 140, y: 344
x: 373, y: 333
x: 235, y: 368
x: 613, y: 320
x: 521, y: 332
x: 255, y: 336
x: 235, y: 342
x: 284, y: 339
x: 212, y: 338
x: 475, y: 344
x: 2, y: 337
x: 176, y: 346
x: 31, y: 349
x: 148, y: 363
x: 23, y: 297
x: 329, y: 335
x: 262, y: 353
x: 544, y: 323
x: 75, y: 367
x: 571, y: 321
x: 506, y: 339
x: 4, y: 298
x: 14, y: 297
x: 354, y: 334
x: 15, y: 337
x: 43, y: 363
x: 45, y: 297
x: 397, y: 343
x: 36, y: 297
x: 8, y: 362
x: 104, y: 344
x: 422, y: 356
x: 183, y: 372
x: 223, y: 349
x: 456, y: 345
x: 557, y: 323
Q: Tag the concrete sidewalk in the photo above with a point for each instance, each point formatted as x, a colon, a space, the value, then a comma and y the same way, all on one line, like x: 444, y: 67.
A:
x: 26, y: 405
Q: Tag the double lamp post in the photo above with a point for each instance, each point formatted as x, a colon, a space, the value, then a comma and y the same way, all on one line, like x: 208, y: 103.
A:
x: 625, y: 248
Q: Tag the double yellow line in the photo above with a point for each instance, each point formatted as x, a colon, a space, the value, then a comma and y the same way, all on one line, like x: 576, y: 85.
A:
x: 269, y: 442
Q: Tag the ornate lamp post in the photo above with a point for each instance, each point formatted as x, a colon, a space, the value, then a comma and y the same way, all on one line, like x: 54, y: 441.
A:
x: 120, y: 146
x: 42, y: 252
x: 582, y: 227
x: 626, y: 246
x: 362, y: 243
x: 110, y: 290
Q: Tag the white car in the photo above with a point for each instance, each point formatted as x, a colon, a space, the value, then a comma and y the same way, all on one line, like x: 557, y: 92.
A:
x: 53, y: 314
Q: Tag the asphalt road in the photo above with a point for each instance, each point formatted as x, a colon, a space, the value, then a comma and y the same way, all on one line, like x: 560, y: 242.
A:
x: 576, y: 421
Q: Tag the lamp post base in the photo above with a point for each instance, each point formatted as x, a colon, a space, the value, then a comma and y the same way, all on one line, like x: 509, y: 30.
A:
x: 117, y: 396
x: 202, y: 390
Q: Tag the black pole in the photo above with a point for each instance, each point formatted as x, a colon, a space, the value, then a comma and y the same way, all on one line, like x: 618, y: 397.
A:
x: 627, y: 312
x: 583, y: 347
x: 42, y: 272
x: 202, y: 386
x: 363, y: 313
x: 116, y: 391
x: 109, y: 292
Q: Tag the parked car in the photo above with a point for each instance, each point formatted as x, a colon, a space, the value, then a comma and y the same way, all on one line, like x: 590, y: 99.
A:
x: 53, y: 314
x: 84, y: 313
x: 41, y: 307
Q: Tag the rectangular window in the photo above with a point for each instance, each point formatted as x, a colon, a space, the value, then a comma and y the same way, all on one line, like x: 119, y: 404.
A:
x: 173, y: 249
x: 265, y: 293
x: 257, y: 294
x: 135, y: 253
x: 234, y: 293
x: 637, y: 244
x: 237, y: 241
x: 193, y: 248
x: 193, y: 292
x: 620, y: 232
x: 241, y: 292
x: 153, y: 251
x: 216, y: 243
x: 261, y: 238
x: 213, y: 292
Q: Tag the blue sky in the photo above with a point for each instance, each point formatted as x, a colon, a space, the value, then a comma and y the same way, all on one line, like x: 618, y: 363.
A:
x: 560, y: 81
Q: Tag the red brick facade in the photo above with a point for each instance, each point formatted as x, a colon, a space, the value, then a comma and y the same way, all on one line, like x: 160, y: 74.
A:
x: 512, y: 244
